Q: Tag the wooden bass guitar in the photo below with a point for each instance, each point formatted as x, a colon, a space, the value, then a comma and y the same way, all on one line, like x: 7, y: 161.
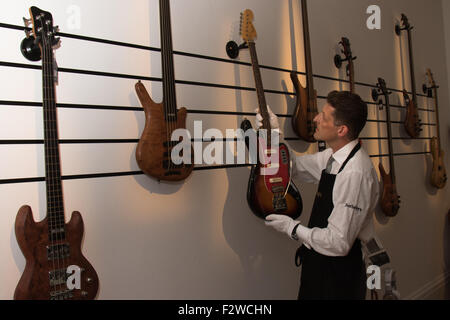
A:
x: 412, y: 121
x: 154, y: 149
x: 306, y: 105
x: 52, y: 248
x: 438, y: 173
x: 267, y: 189
x: 389, y: 200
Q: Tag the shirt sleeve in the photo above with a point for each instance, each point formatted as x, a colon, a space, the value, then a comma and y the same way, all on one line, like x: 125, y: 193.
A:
x: 308, y: 168
x: 353, y: 198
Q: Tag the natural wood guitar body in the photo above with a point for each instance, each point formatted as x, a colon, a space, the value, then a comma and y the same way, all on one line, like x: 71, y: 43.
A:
x: 33, y: 240
x: 153, y: 152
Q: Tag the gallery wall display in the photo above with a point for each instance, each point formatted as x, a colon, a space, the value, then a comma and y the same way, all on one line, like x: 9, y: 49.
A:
x: 51, y: 246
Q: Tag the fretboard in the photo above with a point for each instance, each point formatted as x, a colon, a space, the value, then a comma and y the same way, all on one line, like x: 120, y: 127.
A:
x: 260, y: 91
x: 436, y: 108
x: 411, y: 68
x: 307, y: 46
x: 55, y: 205
x: 168, y: 75
x: 390, y: 147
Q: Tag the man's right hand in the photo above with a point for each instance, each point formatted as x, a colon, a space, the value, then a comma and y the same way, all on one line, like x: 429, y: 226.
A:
x: 273, y: 119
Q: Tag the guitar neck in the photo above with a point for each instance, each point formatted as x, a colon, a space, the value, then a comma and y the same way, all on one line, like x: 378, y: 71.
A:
x: 168, y: 74
x: 390, y: 147
x: 351, y: 75
x: 307, y: 45
x: 55, y: 206
x: 259, y: 87
x: 411, y: 68
x: 436, y: 108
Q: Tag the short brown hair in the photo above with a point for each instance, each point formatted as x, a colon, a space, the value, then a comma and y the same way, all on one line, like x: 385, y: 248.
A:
x: 351, y: 111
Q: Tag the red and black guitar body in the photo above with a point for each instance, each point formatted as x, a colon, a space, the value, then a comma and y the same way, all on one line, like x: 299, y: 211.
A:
x: 273, y: 194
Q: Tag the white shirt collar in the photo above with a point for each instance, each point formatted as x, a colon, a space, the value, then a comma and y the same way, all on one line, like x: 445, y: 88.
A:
x: 342, y: 154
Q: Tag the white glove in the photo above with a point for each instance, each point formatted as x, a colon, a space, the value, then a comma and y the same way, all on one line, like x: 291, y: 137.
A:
x: 281, y: 223
x: 272, y: 117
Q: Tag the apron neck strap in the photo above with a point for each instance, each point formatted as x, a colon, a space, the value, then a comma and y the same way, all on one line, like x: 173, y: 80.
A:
x: 352, y: 153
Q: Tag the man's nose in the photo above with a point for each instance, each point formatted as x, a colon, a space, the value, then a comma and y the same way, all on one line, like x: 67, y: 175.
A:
x: 316, y: 118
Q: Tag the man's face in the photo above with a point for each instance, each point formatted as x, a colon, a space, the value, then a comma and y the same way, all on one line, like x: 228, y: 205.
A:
x: 326, y: 130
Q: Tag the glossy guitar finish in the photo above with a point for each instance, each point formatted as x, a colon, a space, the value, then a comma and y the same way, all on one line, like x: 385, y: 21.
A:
x: 390, y: 200
x: 45, y: 273
x: 262, y: 195
x: 306, y: 105
x: 305, y: 111
x: 438, y: 173
x: 55, y: 267
x: 412, y: 122
x: 269, y: 182
x: 154, y: 150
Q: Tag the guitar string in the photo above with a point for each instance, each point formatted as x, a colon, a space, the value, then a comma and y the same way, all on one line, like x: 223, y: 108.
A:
x: 165, y: 63
x: 171, y: 67
x: 47, y: 147
x: 59, y: 218
x: 169, y: 75
x: 57, y: 196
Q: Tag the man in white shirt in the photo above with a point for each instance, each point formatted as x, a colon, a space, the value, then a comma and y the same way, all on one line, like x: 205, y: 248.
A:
x: 342, y: 215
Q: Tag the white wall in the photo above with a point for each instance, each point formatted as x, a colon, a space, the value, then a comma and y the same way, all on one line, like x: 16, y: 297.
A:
x: 198, y: 239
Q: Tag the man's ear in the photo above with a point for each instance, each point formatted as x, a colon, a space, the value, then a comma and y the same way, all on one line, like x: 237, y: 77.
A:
x: 343, y: 130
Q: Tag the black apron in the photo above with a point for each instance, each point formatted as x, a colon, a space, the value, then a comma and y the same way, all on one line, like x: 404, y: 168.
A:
x: 325, y: 277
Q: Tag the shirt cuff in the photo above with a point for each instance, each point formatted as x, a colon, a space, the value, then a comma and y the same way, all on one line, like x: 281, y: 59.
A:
x: 304, y: 234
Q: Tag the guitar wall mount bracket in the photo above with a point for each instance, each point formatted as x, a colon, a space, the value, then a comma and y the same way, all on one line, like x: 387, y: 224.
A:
x: 338, y: 60
x: 232, y: 49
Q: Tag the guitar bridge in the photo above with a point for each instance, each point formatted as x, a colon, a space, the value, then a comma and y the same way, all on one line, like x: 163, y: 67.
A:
x: 57, y: 277
x: 61, y: 294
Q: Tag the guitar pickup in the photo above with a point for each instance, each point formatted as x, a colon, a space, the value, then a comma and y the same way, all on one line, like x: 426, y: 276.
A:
x: 276, y: 180
x: 58, y: 251
x: 270, y: 151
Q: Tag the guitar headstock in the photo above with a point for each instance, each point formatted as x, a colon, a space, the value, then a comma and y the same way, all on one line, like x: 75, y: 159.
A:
x: 381, y: 89
x: 42, y: 27
x: 347, y: 50
x: 382, y: 86
x: 247, y: 30
x: 405, y: 22
x: 430, y: 79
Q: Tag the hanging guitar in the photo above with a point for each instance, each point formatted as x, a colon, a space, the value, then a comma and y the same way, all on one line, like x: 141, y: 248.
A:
x: 154, y: 149
x: 438, y: 173
x: 389, y: 200
x: 274, y: 192
x: 348, y: 57
x: 51, y: 247
x: 306, y: 104
x: 412, y: 121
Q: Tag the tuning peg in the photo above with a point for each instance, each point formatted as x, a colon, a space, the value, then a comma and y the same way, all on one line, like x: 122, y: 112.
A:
x: 375, y: 94
x: 56, y: 41
x: 28, y: 33
x: 27, y: 22
x: 56, y: 29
